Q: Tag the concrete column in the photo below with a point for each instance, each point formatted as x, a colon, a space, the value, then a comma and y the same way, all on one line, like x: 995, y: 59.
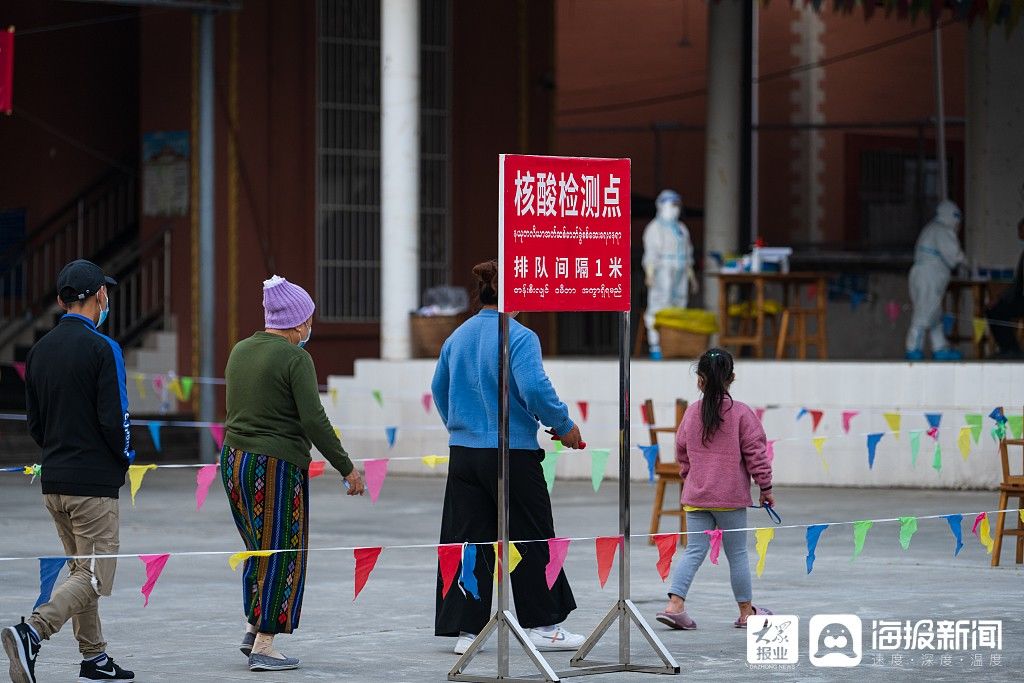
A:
x: 722, y: 149
x: 399, y: 173
x: 995, y: 145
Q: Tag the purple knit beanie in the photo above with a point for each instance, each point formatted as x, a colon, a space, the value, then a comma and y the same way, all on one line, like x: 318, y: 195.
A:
x: 285, y: 305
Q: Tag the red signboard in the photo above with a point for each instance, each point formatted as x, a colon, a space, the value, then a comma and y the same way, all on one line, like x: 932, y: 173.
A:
x: 563, y: 234
x: 6, y: 69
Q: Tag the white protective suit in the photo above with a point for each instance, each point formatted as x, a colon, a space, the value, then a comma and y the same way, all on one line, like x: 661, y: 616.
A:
x: 936, y: 256
x: 667, y: 263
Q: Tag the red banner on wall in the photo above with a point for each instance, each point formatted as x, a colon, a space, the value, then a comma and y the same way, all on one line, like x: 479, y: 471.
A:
x: 563, y: 234
x: 7, y: 70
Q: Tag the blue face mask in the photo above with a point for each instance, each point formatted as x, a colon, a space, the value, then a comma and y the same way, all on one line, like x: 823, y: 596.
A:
x: 302, y: 344
x: 104, y: 313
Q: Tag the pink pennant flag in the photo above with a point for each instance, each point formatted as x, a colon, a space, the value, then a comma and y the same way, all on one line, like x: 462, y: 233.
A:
x: 770, y: 451
x: 154, y: 565
x: 667, y: 544
x: 606, y: 547
x: 977, y: 522
x: 448, y: 558
x: 816, y: 416
x: 204, y: 477
x: 316, y: 468
x: 558, y: 548
x: 716, y: 543
x: 158, y: 383
x: 934, y: 433
x: 20, y: 369
x: 366, y: 560
x: 427, y: 400
x: 584, y: 409
x: 760, y: 413
x: 375, y: 471
x: 847, y: 416
x: 217, y: 432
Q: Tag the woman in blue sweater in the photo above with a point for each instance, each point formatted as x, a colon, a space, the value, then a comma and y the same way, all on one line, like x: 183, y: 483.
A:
x: 465, y: 390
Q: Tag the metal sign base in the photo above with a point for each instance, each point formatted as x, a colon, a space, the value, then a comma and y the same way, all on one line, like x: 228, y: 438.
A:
x: 505, y: 623
x: 624, y: 612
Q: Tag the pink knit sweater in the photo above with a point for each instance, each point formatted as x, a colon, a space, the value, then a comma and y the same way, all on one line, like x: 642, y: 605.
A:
x: 718, y: 474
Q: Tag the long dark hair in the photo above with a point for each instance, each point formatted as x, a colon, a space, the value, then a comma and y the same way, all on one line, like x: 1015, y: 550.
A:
x: 715, y: 368
x: 486, y: 276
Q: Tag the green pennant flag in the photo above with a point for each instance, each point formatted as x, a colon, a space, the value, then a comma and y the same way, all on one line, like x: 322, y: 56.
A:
x: 186, y: 387
x: 549, y: 464
x: 598, y: 461
x: 908, y: 527
x: 915, y: 446
x: 974, y: 422
x: 999, y: 432
x: 937, y: 458
x: 378, y: 397
x: 860, y: 534
x: 1016, y: 423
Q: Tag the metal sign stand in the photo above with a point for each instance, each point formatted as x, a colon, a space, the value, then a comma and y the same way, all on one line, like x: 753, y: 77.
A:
x: 623, y: 612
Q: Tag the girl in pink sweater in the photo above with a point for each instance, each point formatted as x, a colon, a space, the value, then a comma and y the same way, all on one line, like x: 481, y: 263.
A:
x: 720, y: 447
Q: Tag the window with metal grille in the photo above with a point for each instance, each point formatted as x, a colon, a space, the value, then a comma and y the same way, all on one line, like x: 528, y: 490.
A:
x: 348, y: 154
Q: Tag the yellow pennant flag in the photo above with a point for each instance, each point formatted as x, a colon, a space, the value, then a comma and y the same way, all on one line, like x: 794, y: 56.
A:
x: 135, y: 475
x: 175, y: 388
x: 239, y: 558
x: 140, y: 384
x: 762, y: 537
x: 1021, y: 513
x: 819, y: 445
x: 433, y: 461
x: 893, y: 420
x: 979, y: 329
x: 985, y: 535
x: 334, y: 395
x: 514, y: 559
x: 963, y: 442
x: 337, y: 432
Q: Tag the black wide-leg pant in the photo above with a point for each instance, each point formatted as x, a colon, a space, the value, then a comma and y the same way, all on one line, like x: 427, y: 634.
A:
x: 471, y: 515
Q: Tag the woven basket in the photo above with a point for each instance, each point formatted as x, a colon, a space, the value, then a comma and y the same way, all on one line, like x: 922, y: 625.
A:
x: 677, y: 343
x: 430, y: 331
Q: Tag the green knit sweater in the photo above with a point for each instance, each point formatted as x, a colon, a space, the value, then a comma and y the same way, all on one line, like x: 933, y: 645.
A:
x: 273, y: 403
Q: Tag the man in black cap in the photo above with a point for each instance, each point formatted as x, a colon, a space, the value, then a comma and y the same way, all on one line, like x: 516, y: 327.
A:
x: 78, y: 414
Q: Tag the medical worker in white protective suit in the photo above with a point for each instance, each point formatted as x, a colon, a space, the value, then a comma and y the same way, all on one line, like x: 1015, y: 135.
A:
x: 936, y: 256
x: 667, y: 263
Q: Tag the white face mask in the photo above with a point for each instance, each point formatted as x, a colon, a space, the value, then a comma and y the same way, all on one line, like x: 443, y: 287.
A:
x: 302, y: 344
x: 668, y: 212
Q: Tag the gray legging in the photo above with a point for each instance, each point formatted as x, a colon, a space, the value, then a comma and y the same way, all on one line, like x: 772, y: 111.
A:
x: 733, y: 542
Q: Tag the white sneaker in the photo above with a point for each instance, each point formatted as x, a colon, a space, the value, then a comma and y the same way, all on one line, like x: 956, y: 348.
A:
x: 463, y: 643
x: 555, y: 639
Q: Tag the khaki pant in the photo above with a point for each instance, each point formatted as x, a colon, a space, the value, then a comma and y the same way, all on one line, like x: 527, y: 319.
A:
x: 86, y: 526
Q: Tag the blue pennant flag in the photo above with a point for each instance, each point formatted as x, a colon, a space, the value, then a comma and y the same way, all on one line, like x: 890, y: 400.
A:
x: 651, y: 456
x: 813, y: 534
x: 933, y: 419
x: 955, y: 521
x: 49, y: 569
x: 468, y: 578
x: 801, y: 413
x: 873, y: 440
x: 154, y: 431
x: 998, y: 415
x: 391, y: 433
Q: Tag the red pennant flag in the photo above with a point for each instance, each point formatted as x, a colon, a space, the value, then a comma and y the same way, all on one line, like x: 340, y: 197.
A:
x: 154, y: 565
x: 204, y: 477
x: 448, y: 558
x: 366, y: 560
x: 217, y: 432
x: 666, y: 549
x: 648, y: 420
x: 584, y: 409
x: 7, y: 70
x: 716, y: 543
x: 316, y: 468
x: 558, y: 548
x: 606, y: 547
x: 816, y: 416
x: 19, y: 367
x: 847, y: 416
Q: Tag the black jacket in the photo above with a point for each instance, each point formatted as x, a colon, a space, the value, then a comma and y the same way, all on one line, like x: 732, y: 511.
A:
x: 78, y: 409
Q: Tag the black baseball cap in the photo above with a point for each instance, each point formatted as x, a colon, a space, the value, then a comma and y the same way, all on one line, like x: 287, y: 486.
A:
x: 80, y: 279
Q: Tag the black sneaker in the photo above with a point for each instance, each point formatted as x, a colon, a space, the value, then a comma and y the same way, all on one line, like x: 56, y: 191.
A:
x: 110, y: 671
x: 22, y: 649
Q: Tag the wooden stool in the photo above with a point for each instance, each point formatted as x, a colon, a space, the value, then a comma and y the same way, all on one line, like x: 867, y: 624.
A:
x: 747, y: 316
x: 1011, y: 487
x: 666, y: 472
x: 801, y: 338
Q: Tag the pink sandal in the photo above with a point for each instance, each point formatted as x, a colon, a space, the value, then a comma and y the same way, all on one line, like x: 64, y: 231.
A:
x: 757, y: 611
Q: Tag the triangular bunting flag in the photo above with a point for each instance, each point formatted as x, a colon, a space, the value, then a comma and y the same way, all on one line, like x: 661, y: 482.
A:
x: 204, y: 477
x: 651, y: 456
x: 337, y: 431
x: 933, y: 433
x: 974, y: 422
x: 375, y: 471
x: 982, y: 530
x: 760, y: 414
x: 770, y: 451
x: 186, y: 388
x: 667, y: 544
x: 598, y: 463
x: 979, y: 329
x: 154, y: 566
x: 158, y: 383
x: 448, y: 558
x: 715, y: 539
x: 239, y: 558
x: 174, y: 386
x: 915, y: 446
x: 963, y: 442
x: 584, y: 410
x: 813, y: 534
x: 135, y: 475
x: 647, y: 419
x: 316, y: 469
x: 366, y: 560
x: 860, y: 534
x: 427, y: 400
x: 1016, y: 423
x: 333, y: 393
x: 154, y: 433
x: 873, y: 440
x: 762, y: 537
x: 378, y: 397
x: 893, y: 420
x: 800, y: 413
x: 955, y: 525
x: 937, y: 458
x: 549, y: 464
x: 217, y: 432
x: 998, y: 415
x: 816, y: 416
x: 19, y: 368
x: 819, y: 445
x: 468, y: 576
x: 140, y: 384
x: 606, y: 547
x: 847, y: 416
x: 514, y: 555
x: 49, y: 570
x: 934, y: 419
x: 433, y: 461
x: 390, y: 433
x: 908, y: 527
x: 558, y: 548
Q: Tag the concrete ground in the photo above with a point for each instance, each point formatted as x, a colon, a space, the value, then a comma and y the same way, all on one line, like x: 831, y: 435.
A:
x: 193, y: 623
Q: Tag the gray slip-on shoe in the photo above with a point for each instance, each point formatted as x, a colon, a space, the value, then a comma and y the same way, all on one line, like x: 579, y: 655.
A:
x: 268, y: 663
x: 248, y: 640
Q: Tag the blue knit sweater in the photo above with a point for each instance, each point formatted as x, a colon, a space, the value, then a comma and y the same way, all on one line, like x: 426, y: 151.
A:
x: 465, y: 386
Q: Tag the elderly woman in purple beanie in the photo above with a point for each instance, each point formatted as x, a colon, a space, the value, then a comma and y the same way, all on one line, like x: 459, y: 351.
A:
x: 274, y: 415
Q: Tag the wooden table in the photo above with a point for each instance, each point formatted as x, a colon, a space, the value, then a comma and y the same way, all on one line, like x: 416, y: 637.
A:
x: 983, y: 293
x: 754, y: 285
